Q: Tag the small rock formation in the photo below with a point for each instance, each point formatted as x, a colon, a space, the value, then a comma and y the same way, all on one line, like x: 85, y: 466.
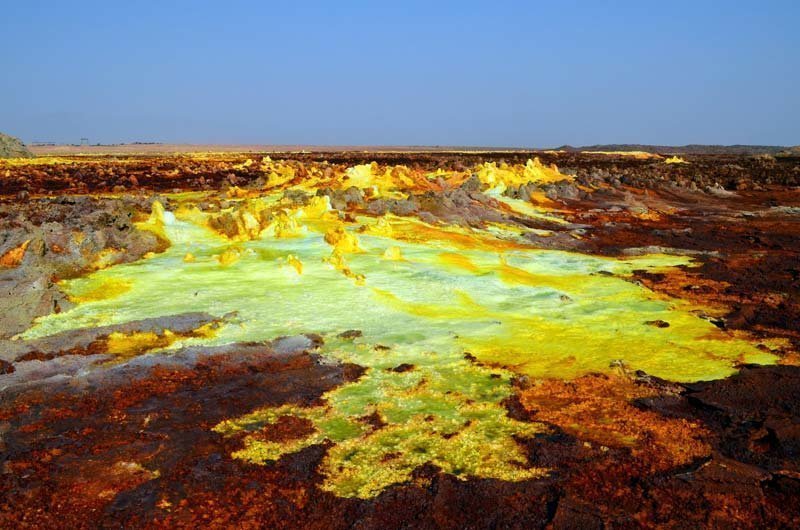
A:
x: 11, y: 147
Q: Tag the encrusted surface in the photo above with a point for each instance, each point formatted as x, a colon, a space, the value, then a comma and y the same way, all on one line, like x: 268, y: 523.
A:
x: 467, y: 342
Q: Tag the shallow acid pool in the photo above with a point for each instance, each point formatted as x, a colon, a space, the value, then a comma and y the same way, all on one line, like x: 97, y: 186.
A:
x: 545, y: 313
x: 423, y: 297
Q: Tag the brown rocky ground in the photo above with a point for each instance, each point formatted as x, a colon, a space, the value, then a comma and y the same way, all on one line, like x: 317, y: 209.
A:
x: 136, y: 449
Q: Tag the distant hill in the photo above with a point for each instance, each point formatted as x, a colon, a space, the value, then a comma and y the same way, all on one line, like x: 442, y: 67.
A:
x: 11, y: 147
x: 791, y: 151
x: 155, y: 148
x: 692, y: 149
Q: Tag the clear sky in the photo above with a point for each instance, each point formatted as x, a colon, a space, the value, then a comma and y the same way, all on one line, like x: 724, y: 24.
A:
x: 492, y: 73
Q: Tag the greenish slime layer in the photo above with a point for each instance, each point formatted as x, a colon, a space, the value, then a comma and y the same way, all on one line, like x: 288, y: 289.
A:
x: 578, y: 319
x: 538, y: 312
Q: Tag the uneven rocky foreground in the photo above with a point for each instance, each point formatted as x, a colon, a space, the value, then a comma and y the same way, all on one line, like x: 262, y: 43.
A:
x: 389, y: 340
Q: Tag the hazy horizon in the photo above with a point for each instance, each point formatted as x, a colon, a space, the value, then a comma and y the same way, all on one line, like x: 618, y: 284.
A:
x: 508, y: 74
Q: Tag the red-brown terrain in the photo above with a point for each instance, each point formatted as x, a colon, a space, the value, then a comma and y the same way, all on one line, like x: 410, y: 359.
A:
x: 77, y: 452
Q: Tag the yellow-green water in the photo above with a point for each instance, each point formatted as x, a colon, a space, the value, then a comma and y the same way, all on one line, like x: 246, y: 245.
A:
x: 437, y: 294
x: 546, y: 313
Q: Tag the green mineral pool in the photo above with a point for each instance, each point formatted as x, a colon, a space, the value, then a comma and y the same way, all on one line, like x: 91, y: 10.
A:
x: 422, y: 297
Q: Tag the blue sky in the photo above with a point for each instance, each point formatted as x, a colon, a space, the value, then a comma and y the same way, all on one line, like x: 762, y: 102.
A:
x: 405, y: 73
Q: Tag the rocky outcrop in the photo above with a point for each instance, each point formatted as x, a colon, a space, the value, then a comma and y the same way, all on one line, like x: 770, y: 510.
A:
x: 11, y: 147
x: 45, y: 240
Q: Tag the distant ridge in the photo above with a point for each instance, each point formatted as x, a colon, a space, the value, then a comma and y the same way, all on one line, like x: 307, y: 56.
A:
x: 152, y: 148
x: 691, y: 149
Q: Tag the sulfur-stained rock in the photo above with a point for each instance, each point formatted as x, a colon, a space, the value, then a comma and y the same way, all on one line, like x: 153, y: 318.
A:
x: 399, y: 441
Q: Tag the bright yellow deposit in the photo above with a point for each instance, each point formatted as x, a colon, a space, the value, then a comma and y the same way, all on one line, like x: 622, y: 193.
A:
x: 504, y: 175
x: 675, y: 160
x: 423, y: 296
